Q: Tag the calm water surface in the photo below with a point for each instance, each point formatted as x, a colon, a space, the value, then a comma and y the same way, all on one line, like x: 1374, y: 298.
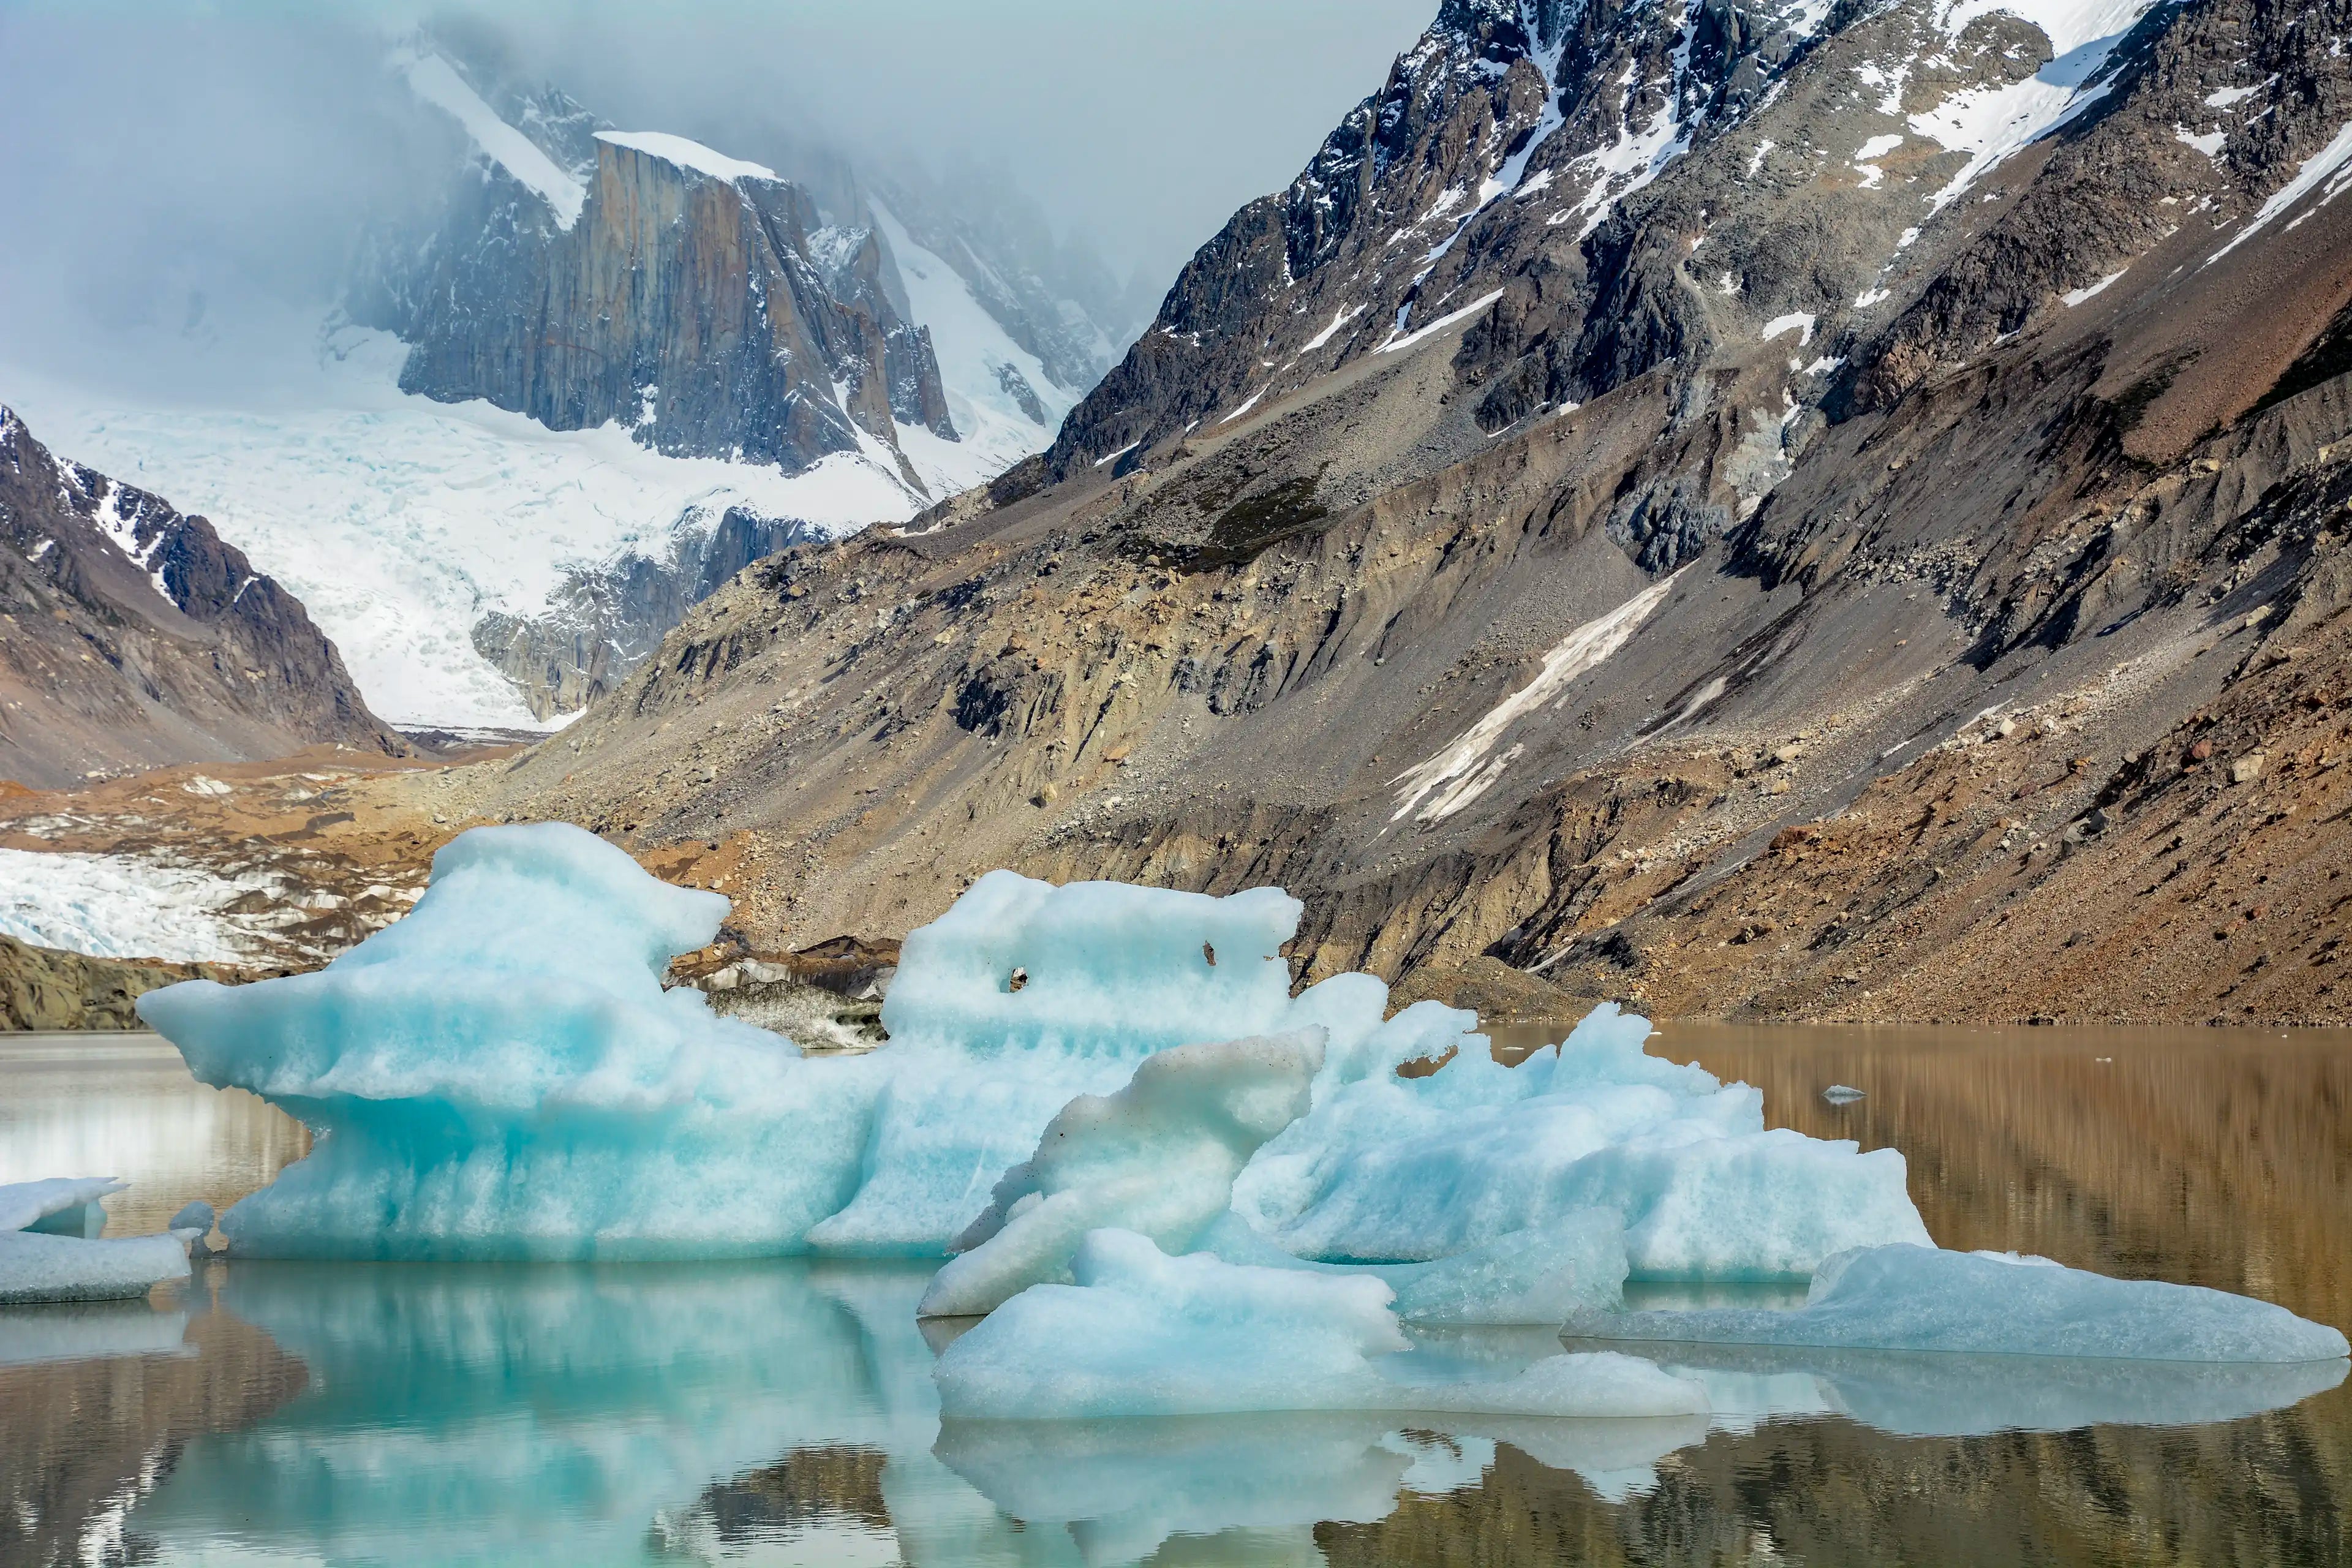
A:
x: 782, y: 1413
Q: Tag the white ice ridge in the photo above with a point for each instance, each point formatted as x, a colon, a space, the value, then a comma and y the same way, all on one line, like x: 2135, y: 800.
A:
x: 686, y: 154
x: 1142, y: 1333
x: 1922, y: 1299
x: 1396, y: 345
x: 2326, y: 164
x: 433, y: 79
x: 50, y: 1249
x: 1463, y: 772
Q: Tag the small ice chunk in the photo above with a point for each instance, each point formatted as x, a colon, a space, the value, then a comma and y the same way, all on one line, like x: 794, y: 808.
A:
x: 196, y: 1216
x: 57, y: 1205
x: 1840, y: 1094
x: 1158, y: 1157
x: 36, y: 1268
x: 1924, y: 1299
x: 1142, y: 1333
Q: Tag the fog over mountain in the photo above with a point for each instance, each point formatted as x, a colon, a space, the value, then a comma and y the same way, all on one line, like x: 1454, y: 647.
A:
x: 234, y: 150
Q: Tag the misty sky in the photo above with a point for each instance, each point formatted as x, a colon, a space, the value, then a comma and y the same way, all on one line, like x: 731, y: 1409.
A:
x: 153, y: 149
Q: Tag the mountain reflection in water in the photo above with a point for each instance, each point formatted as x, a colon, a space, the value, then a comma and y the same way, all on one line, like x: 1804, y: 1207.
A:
x: 783, y: 1412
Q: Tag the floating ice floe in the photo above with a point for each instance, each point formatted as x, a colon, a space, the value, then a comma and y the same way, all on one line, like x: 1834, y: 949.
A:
x: 50, y: 1248
x: 1842, y: 1094
x: 1924, y: 1299
x: 1142, y: 1333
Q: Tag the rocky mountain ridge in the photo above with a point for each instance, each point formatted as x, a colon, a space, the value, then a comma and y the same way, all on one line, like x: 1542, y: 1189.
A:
x: 131, y: 635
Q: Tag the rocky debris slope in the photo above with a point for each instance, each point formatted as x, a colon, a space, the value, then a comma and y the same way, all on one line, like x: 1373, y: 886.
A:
x: 1593, y: 631
x: 131, y: 635
x: 696, y: 299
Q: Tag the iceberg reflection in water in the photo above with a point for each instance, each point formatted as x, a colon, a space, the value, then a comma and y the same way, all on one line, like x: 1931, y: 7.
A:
x: 785, y: 1411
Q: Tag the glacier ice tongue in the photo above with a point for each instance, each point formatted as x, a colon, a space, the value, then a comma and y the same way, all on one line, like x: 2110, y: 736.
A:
x: 1902, y: 1298
x: 1158, y: 1157
x: 1142, y: 1333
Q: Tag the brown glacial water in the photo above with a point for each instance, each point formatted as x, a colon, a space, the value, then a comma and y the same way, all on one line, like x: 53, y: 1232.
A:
x: 783, y: 1412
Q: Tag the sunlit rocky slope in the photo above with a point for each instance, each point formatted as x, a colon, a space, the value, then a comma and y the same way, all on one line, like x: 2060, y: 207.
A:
x: 1810, y: 512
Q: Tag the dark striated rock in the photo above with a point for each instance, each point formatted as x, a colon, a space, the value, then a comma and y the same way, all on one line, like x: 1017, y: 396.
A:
x: 45, y: 988
x: 132, y: 637
x: 714, y: 313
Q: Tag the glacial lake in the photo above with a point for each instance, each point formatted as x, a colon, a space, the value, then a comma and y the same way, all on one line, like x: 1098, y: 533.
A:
x: 783, y: 1412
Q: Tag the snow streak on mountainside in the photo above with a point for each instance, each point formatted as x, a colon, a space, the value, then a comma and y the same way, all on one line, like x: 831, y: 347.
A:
x: 1004, y: 403
x: 402, y: 522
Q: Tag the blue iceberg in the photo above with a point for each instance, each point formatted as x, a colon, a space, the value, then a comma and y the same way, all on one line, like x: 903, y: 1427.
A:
x: 502, y: 1075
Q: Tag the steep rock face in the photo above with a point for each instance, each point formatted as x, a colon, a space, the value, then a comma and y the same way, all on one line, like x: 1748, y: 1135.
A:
x: 712, y: 312
x: 132, y: 637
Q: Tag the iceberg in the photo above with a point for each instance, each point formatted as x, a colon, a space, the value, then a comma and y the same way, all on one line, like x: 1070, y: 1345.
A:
x: 50, y: 1250
x: 502, y: 1075
x: 499, y: 1074
x: 1904, y: 1297
x: 1158, y: 1157
x: 1079, y: 1081
x: 1142, y: 1334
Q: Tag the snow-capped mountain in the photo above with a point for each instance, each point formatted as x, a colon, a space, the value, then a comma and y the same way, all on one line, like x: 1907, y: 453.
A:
x: 550, y: 412
x: 696, y: 299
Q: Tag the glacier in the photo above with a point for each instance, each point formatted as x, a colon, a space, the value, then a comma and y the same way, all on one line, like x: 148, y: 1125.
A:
x: 1164, y: 1183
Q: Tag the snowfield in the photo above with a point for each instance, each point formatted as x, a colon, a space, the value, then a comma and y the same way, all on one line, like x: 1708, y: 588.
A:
x: 995, y: 432
x: 399, y: 521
